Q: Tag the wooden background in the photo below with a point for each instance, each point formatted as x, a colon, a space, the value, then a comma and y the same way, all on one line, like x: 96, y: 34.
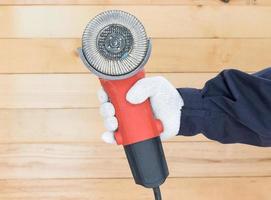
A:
x: 50, y: 147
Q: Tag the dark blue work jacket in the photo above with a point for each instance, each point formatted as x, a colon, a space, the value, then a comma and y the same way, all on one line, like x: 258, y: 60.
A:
x: 233, y: 107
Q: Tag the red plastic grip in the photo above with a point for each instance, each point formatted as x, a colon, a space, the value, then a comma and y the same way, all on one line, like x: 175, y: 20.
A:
x: 136, y: 122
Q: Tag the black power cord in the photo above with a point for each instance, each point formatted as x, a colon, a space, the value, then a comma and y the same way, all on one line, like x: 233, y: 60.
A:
x: 157, y: 193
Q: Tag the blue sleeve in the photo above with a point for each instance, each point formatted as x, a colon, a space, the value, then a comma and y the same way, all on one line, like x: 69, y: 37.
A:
x: 233, y: 107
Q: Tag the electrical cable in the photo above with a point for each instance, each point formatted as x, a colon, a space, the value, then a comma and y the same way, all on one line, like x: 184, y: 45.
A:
x: 157, y: 193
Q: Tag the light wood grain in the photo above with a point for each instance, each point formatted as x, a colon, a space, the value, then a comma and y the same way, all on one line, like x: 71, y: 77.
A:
x: 69, y: 90
x: 99, y: 160
x: 50, y: 145
x: 168, y: 55
x: 56, y: 126
x: 116, y: 189
x: 164, y: 22
x: 121, y: 2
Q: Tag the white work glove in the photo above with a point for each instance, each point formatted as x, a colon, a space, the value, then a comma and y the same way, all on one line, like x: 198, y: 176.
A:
x: 165, y: 100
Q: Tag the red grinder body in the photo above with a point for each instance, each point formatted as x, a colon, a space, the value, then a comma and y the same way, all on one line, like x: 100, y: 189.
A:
x: 138, y: 131
x: 136, y: 121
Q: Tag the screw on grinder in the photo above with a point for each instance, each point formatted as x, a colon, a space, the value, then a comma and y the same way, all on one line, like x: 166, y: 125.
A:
x: 115, y: 47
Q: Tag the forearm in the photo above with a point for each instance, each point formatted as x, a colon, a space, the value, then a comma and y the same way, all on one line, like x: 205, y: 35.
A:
x: 219, y: 110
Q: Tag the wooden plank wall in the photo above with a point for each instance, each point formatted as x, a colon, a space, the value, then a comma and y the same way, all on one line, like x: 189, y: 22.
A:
x: 50, y: 145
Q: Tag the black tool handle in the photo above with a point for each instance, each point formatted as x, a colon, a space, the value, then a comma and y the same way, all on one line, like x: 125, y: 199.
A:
x: 147, y: 162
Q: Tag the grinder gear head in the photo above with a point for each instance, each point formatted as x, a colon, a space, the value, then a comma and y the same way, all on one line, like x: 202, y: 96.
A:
x: 115, y: 45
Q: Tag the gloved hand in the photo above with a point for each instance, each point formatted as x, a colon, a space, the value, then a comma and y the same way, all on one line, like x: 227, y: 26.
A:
x: 165, y: 100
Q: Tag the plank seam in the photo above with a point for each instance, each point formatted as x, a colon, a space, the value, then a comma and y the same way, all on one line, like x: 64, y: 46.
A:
x: 130, y: 178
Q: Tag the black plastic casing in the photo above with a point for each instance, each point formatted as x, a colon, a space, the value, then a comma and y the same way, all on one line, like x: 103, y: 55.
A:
x: 147, y: 162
